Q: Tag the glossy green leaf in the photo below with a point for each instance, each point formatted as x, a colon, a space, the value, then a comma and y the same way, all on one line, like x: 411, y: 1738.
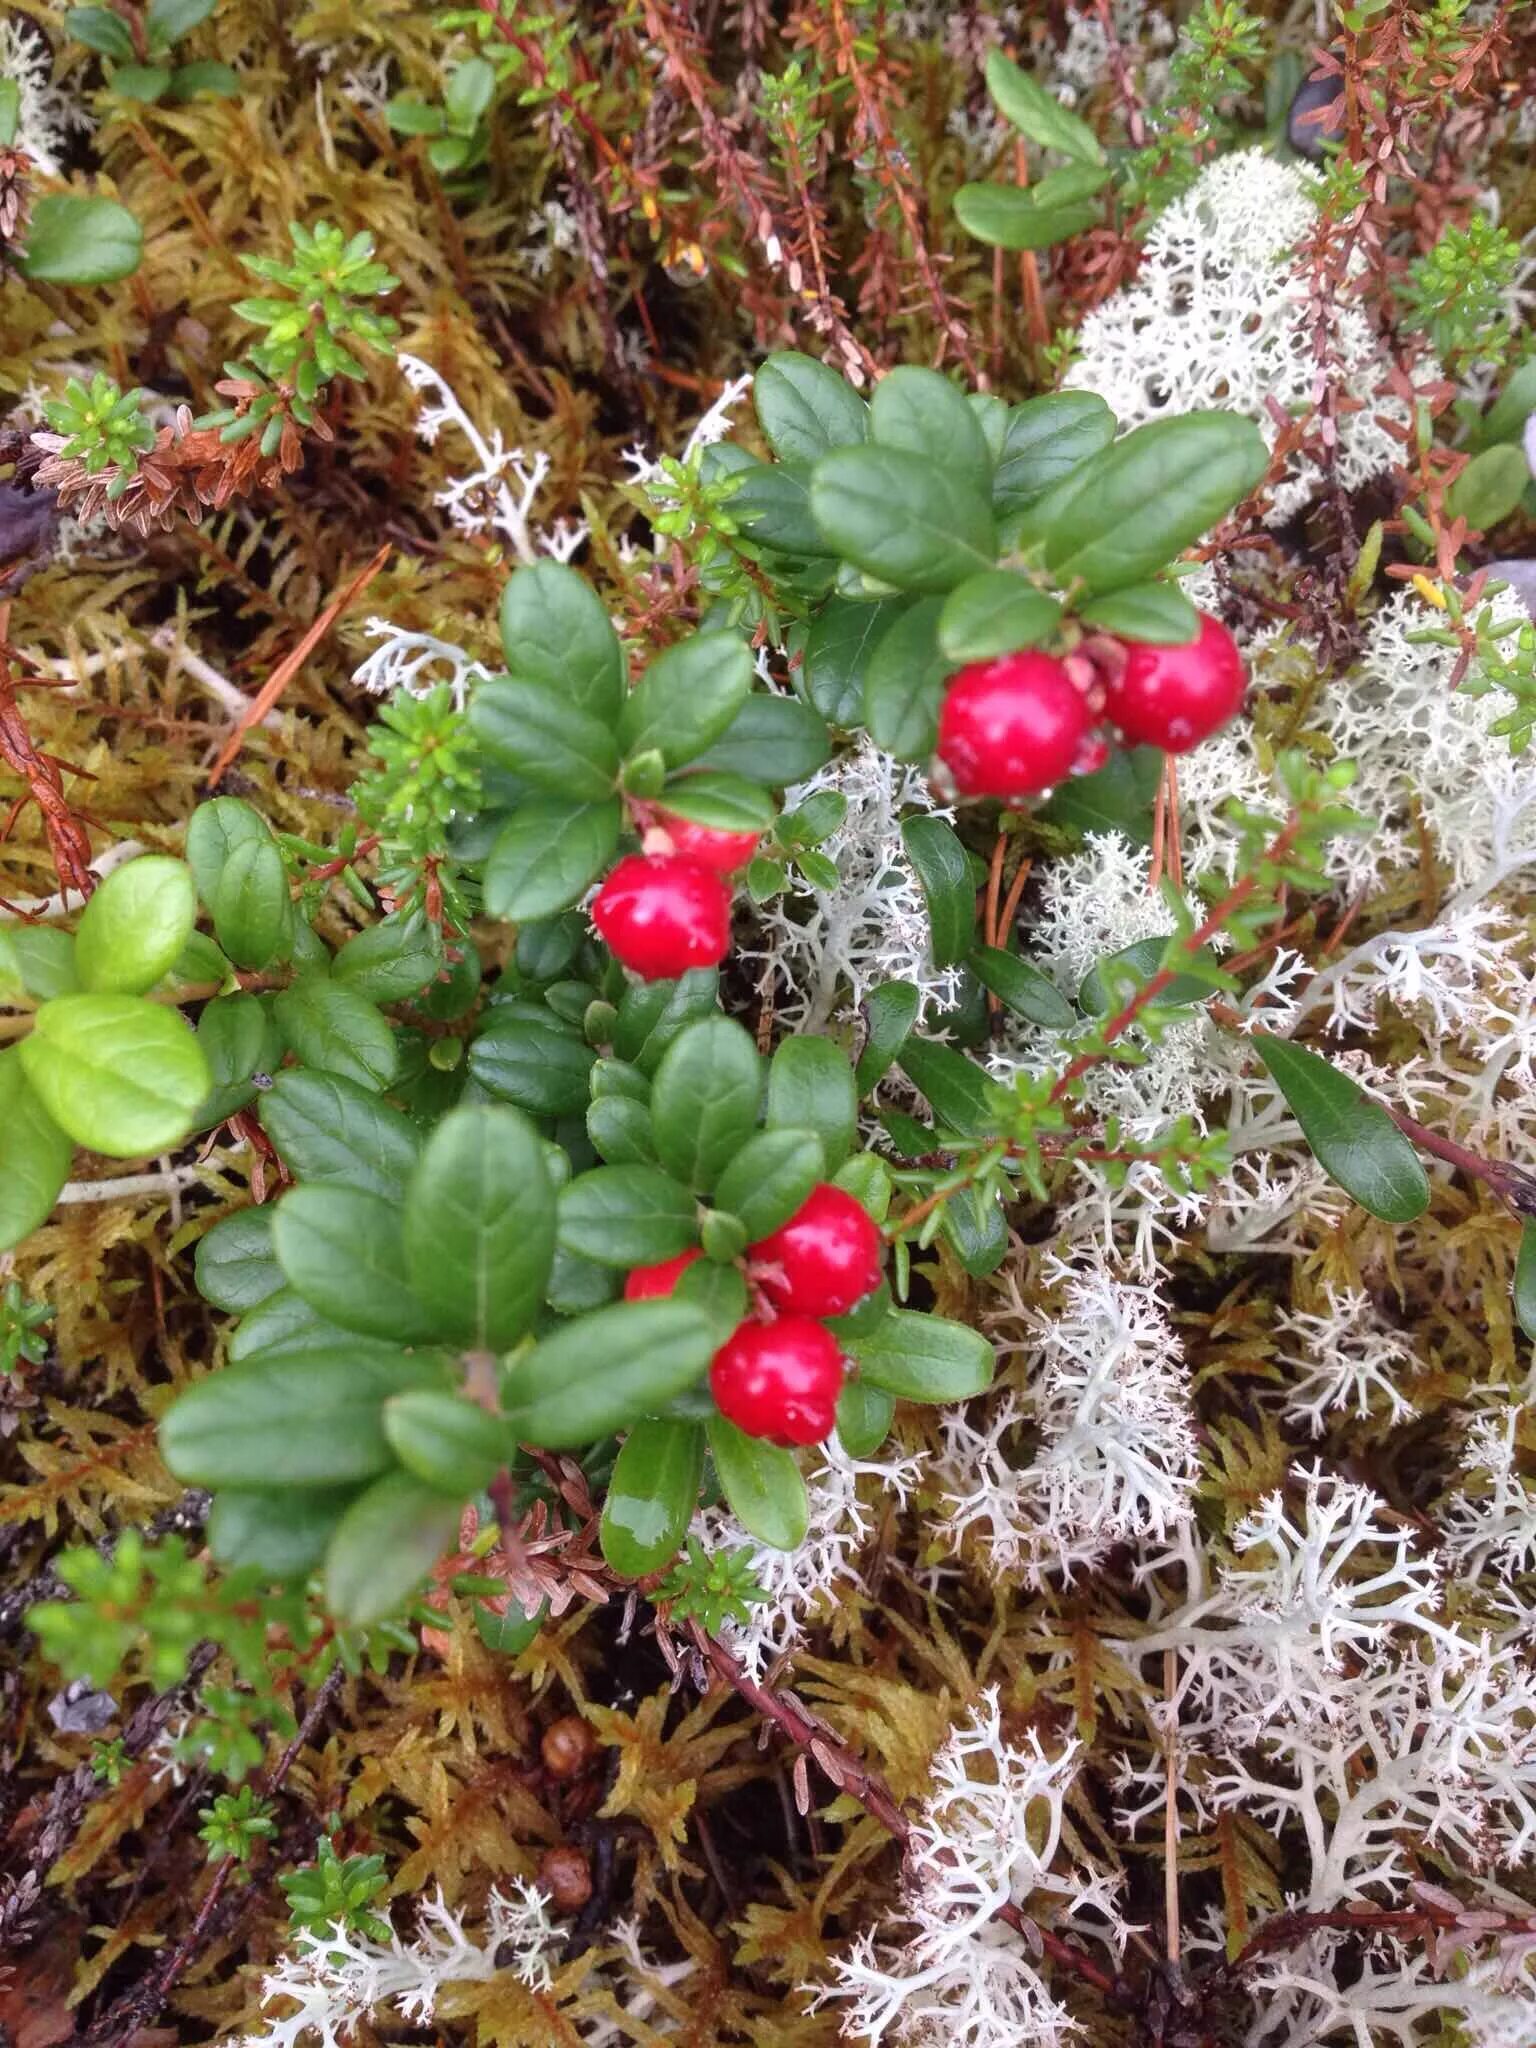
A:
x: 769, y: 1178
x: 1352, y: 1138
x: 1525, y: 1279
x: 864, y: 1417
x: 384, y: 1546
x: 448, y: 1441
x: 121, y: 1075
x: 626, y: 1216
x: 976, y: 1231
x: 705, y: 1099
x: 890, y: 1011
x: 868, y: 1179
x: 620, y: 1131
x: 308, y: 1418
x: 994, y: 613
x: 904, y: 683
x: 806, y: 409
x: 332, y: 1133
x: 901, y: 519
x: 1116, y: 798
x: 775, y: 740
x: 391, y: 960
x: 838, y: 648
x: 342, y: 1251
x: 1158, y: 612
x: 1026, y: 217
x: 924, y: 1358
x: 606, y: 1371
x: 236, y: 1266
x: 810, y: 1087
x: 135, y: 925
x: 480, y: 1226
x: 959, y: 1093
x: 282, y: 1535
x: 335, y: 1029
x: 535, y: 1062
x: 921, y: 411
x: 652, y: 1495
x: 284, y: 1321
x: 719, y: 1289
x: 1037, y: 113
x: 39, y: 959
x: 1047, y: 438
x: 1142, y: 501
x: 548, y: 855
x: 74, y: 240
x: 544, y: 738
x: 251, y: 905
x: 1021, y: 987
x: 762, y: 1485
x: 726, y: 803
x: 652, y: 1013
x: 688, y: 697
x: 35, y: 1156
x: 944, y: 870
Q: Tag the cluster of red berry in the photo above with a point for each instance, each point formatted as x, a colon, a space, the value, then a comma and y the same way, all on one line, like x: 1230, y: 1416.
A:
x: 668, y: 908
x: 1018, y: 725
x: 779, y: 1373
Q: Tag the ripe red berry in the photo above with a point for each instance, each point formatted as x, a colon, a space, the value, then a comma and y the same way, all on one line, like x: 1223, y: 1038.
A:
x: 1012, y: 727
x: 1174, y: 697
x: 824, y: 1260
x: 654, y: 1283
x: 725, y: 852
x: 662, y: 915
x: 779, y: 1380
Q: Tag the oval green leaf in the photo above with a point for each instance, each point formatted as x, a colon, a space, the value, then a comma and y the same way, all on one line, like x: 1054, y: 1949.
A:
x: 607, y: 1370
x: 480, y: 1226
x: 1352, y: 1138
x: 652, y: 1495
x: 705, y: 1100
x: 762, y: 1485
x: 123, y: 1076
x: 134, y: 928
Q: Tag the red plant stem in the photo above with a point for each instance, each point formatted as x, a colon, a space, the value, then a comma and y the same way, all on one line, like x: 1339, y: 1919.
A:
x: 1512, y: 1184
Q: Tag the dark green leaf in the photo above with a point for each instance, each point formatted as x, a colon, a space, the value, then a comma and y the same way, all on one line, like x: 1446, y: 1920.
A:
x: 727, y: 803
x: 251, y: 906
x: 773, y: 740
x: 188, y: 80
x: 384, y: 1546
x: 307, y: 1418
x: 652, y: 1496
x: 73, y: 240
x: 904, y: 683
x: 576, y: 1285
x: 342, y: 1251
x: 705, y: 1099
x: 864, y: 1416
x: 944, y: 870
x: 236, y: 1266
x: 1019, y: 217
x: 902, y: 520
x: 719, y: 1290
x: 890, y: 1011
x: 810, y: 1087
x: 762, y: 1485
x: 772, y: 505
x: 1047, y: 439
x: 480, y: 1226
x: 805, y: 409
x: 607, y: 1370
x: 239, y: 1038
x: 544, y: 738
x: 1141, y: 502
x: 1159, y: 612
x: 924, y: 1358
x: 922, y: 412
x: 393, y: 960
x: 338, y: 1031
x: 976, y: 1231
x: 620, y: 1130
x: 446, y: 1440
x: 34, y: 1156
x: 688, y: 697
x: 626, y: 1216
x: 332, y: 1133
x: 535, y: 1061
x: 102, y: 30
x: 135, y: 926
x: 1022, y: 988
x: 1352, y: 1137
x: 838, y: 648
x: 1037, y: 113
x: 996, y: 612
x: 652, y: 1013
x: 1525, y: 1279
x: 282, y: 1535
x: 770, y: 1177
x: 121, y: 1075
x: 1115, y: 798
x: 548, y: 854
x: 1107, y: 981
x: 959, y: 1093
x: 142, y: 82
x: 283, y: 1322
x: 169, y: 20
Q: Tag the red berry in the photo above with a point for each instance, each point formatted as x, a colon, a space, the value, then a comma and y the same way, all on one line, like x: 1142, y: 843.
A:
x: 1012, y: 727
x: 662, y: 915
x: 654, y: 1283
x: 1174, y: 697
x: 779, y: 1380
x: 824, y: 1260
x: 725, y: 852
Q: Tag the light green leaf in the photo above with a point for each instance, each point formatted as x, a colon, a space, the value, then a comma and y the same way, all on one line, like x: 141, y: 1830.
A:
x: 74, y: 240
x: 34, y: 1156
x: 251, y: 905
x: 1038, y: 114
x: 1525, y: 1279
x: 135, y: 925
x: 1024, y: 217
x: 121, y: 1075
